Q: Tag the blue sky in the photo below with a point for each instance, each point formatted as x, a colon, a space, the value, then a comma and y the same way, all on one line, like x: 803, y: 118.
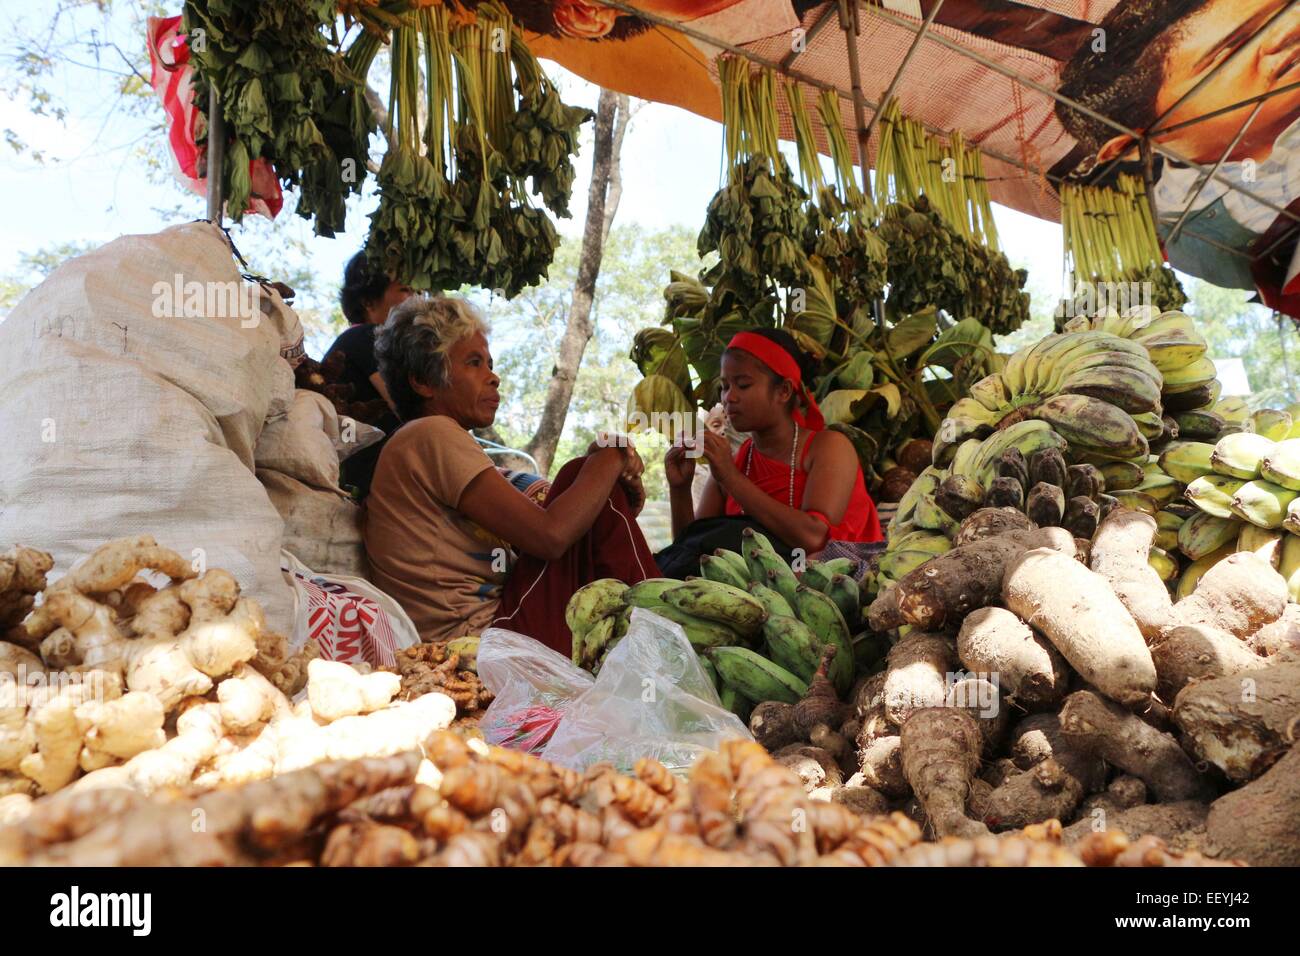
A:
x: 94, y: 187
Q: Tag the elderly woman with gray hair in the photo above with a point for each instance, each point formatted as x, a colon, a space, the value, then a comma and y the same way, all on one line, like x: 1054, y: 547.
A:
x: 447, y: 535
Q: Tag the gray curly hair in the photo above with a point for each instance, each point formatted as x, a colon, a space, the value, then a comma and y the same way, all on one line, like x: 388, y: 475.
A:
x: 413, y: 344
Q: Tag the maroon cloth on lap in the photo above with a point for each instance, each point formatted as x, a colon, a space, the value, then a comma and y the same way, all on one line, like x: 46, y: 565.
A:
x: 613, y: 548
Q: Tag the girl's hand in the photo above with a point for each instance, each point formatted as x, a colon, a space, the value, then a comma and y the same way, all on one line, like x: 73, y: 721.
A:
x: 717, y: 452
x: 679, y: 468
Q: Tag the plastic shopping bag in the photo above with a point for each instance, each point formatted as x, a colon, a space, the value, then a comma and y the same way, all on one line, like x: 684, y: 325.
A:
x: 652, y: 699
x: 532, y: 687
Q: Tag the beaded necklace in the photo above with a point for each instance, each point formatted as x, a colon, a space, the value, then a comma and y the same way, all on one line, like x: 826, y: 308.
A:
x: 794, y: 447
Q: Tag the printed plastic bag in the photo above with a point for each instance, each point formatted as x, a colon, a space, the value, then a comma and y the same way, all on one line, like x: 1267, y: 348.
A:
x: 651, y: 699
x: 532, y: 685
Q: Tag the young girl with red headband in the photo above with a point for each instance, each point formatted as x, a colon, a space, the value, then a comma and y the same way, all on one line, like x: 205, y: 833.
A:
x: 793, y: 479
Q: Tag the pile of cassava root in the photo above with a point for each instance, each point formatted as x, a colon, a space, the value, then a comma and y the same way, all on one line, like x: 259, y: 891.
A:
x: 110, y: 683
x: 1037, y: 677
x: 462, y: 803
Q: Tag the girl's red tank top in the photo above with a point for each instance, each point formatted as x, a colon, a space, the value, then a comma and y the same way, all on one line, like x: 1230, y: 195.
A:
x: 860, y: 521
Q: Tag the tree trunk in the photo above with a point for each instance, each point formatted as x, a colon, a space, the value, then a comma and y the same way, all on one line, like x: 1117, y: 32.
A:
x: 578, y: 329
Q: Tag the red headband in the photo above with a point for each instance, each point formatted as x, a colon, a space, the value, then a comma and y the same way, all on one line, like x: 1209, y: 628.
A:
x: 782, y: 363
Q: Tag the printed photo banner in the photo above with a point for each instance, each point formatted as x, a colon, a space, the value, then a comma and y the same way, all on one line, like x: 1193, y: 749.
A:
x: 1153, y: 66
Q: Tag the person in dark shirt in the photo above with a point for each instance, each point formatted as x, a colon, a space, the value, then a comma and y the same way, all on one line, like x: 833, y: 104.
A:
x: 367, y: 297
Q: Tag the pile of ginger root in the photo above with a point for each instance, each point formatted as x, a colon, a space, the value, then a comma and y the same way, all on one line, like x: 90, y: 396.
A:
x: 459, y: 802
x: 1056, y: 679
x: 114, y: 683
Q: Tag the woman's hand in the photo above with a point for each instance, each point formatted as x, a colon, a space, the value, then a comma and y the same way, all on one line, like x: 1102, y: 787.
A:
x: 679, y: 468
x: 717, y: 452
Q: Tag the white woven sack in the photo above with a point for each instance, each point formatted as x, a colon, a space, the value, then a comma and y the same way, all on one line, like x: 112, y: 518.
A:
x: 303, y: 443
x: 119, y: 421
x: 322, y: 528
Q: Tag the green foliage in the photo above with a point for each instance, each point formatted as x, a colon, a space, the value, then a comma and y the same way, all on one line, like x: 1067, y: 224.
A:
x: 1237, y: 328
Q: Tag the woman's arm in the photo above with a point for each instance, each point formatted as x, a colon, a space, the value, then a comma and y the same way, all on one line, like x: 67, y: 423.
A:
x: 492, y: 502
x: 831, y: 472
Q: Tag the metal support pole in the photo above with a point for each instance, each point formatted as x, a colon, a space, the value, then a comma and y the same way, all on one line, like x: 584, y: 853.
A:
x: 811, y: 35
x: 216, y: 154
x: 1200, y: 186
x: 1076, y: 105
x: 850, y: 23
x: 898, y: 74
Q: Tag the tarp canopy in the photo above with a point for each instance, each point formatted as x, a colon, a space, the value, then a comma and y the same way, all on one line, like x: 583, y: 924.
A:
x: 1200, y: 96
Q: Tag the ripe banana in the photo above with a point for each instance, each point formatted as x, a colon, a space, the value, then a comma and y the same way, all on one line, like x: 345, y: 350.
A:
x: 1239, y: 455
x: 1166, y: 565
x: 1232, y: 409
x: 756, y: 677
x: 1263, y: 503
x: 1271, y: 423
x: 991, y: 392
x: 1122, y: 475
x: 1259, y: 541
x: 1199, y: 425
x: 591, y: 602
x: 1213, y: 494
x: 967, y: 419
x: 1289, y: 566
x: 719, y: 602
x: 1090, y: 423
x: 1282, y: 464
x: 1193, y: 572
x: 1203, y: 533
x: 792, y: 644
x: 1190, y: 376
x: 1187, y: 460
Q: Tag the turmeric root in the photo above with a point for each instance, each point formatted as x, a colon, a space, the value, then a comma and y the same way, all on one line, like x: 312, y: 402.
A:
x: 1134, y: 746
x: 940, y: 754
x: 988, y: 850
x: 369, y: 844
x: 1113, y: 848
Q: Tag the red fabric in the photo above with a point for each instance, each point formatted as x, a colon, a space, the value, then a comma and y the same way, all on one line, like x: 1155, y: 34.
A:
x: 171, y: 76
x: 860, y: 521
x: 613, y: 548
x: 1270, y: 274
x: 782, y: 363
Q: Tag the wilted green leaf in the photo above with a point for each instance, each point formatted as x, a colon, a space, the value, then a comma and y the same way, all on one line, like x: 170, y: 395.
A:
x: 858, y: 372
x: 838, y: 405
x: 911, y: 334
x: 658, y: 403
x: 957, y: 342
x: 656, y: 351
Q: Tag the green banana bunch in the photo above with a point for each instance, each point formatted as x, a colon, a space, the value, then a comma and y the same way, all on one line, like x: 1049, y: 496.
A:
x: 719, y: 602
x: 846, y: 594
x: 792, y: 644
x: 771, y: 599
x: 766, y: 567
x: 721, y: 571
x: 1239, y: 455
x: 818, y: 574
x: 591, y: 604
x: 587, y: 648
x: 1263, y: 503
x: 702, y: 633
x: 648, y: 594
x: 823, y: 616
x: 755, y: 677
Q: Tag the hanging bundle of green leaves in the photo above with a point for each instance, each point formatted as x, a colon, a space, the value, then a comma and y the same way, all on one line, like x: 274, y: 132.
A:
x: 1110, y: 238
x: 455, y: 206
x: 943, y: 246
x: 287, y: 96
